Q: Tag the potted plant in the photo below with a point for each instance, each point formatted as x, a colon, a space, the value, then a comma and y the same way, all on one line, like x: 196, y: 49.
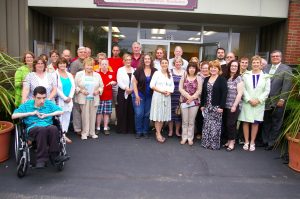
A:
x: 291, y: 123
x: 8, y: 66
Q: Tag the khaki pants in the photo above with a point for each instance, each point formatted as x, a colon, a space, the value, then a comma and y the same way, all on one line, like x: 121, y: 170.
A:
x: 76, y: 117
x: 188, y: 122
x: 88, y: 117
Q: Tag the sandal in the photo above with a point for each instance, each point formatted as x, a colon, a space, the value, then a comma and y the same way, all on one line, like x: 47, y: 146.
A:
x: 225, y: 145
x: 229, y: 149
x: 190, y: 142
x: 160, y: 139
x: 252, y: 147
x: 68, y: 140
x: 246, y: 146
x: 170, y: 134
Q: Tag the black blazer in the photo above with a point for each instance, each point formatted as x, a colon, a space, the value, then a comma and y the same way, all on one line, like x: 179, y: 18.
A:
x: 219, y: 92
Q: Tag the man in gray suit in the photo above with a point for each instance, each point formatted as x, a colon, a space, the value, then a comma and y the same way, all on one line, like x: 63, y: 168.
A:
x: 280, y: 87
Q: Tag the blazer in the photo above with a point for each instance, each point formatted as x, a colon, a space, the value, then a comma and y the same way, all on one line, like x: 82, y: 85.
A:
x: 219, y: 92
x: 123, y: 78
x: 281, y: 84
x: 260, y: 92
x: 80, y: 98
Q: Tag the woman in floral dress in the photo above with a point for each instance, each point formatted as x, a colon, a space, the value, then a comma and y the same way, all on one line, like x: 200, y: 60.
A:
x: 213, y: 101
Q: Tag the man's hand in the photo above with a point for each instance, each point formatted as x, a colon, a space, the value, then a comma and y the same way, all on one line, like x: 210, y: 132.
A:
x: 280, y: 103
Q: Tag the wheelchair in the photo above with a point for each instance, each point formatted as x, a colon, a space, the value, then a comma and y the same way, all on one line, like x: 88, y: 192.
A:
x: 25, y: 153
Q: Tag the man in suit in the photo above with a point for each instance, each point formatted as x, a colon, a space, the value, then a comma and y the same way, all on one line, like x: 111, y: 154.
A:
x: 275, y: 104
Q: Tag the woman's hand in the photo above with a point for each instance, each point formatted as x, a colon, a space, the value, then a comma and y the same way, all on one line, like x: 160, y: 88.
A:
x: 233, y: 109
x: 254, y: 102
x: 84, y: 92
x: 202, y: 108
x: 68, y: 100
x: 220, y: 110
x: 137, y: 100
x: 166, y: 93
x: 97, y: 92
x: 128, y: 91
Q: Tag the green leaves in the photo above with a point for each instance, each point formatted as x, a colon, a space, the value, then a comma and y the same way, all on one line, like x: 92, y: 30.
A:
x: 8, y: 66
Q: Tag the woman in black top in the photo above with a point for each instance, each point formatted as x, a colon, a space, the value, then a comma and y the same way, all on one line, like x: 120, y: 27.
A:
x: 213, y: 100
x: 142, y: 96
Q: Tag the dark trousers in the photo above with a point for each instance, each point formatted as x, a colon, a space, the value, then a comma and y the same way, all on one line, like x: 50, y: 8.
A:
x: 47, y: 141
x: 230, y: 122
x: 273, y: 119
x: 199, y: 122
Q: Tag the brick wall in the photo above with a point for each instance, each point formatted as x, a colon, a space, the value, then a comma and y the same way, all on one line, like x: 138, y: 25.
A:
x: 292, y: 48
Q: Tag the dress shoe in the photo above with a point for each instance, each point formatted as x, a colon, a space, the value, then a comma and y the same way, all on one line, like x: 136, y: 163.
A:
x: 269, y: 148
x: 138, y: 136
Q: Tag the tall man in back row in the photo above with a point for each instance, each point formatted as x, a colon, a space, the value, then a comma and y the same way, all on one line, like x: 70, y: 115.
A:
x: 280, y: 87
x: 37, y: 114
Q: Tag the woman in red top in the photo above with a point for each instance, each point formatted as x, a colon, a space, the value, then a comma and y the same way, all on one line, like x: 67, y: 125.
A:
x: 105, y: 106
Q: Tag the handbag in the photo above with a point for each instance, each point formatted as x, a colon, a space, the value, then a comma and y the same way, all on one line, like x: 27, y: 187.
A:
x: 178, y: 109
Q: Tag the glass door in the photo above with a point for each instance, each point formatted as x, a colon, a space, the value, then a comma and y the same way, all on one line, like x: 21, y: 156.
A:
x: 189, y: 49
x: 208, y: 51
x: 149, y: 46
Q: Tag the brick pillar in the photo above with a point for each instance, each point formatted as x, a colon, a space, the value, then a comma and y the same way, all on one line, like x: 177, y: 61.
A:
x: 292, y: 48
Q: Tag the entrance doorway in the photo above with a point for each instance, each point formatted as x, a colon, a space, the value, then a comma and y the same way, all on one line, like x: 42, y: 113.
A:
x: 204, y: 51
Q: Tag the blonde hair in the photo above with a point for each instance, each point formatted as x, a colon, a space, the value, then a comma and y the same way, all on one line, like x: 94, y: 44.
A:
x: 88, y: 61
x: 215, y: 63
x: 177, y: 59
x: 256, y: 57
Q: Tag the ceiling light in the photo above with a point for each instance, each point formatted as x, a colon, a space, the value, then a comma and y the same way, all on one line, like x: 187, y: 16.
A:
x: 155, y: 31
x: 154, y: 37
x: 114, y: 29
x: 105, y: 28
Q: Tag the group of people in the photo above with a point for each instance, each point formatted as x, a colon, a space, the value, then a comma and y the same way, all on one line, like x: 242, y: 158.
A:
x: 206, y: 99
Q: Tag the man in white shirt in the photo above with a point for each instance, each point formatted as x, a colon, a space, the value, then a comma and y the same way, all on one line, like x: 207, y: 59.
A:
x: 178, y: 53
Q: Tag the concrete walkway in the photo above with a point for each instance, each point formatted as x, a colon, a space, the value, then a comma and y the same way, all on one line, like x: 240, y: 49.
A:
x: 120, y: 166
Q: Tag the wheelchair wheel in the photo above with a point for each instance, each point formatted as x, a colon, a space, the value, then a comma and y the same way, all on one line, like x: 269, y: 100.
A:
x: 23, y: 163
x: 17, y: 142
x: 60, y: 166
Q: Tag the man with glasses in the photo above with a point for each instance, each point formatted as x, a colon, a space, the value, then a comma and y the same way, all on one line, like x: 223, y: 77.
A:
x: 280, y: 87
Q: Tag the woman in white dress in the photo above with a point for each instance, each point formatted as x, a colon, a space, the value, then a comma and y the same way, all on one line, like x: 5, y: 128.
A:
x: 65, y: 91
x: 162, y: 84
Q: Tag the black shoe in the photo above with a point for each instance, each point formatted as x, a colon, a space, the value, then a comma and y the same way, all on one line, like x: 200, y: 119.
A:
x: 146, y: 135
x: 40, y: 165
x: 138, y: 136
x: 61, y: 158
x: 269, y: 148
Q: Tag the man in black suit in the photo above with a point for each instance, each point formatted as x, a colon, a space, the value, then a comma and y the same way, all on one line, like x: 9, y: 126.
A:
x: 280, y: 87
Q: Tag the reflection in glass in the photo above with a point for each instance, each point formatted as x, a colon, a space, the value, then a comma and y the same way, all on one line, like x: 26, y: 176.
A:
x: 66, y: 35
x: 95, y: 37
x: 124, y: 34
x: 243, y: 42
x: 216, y: 34
x: 176, y: 32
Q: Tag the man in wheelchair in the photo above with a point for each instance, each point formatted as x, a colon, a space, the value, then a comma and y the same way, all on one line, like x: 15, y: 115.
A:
x: 37, y: 115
